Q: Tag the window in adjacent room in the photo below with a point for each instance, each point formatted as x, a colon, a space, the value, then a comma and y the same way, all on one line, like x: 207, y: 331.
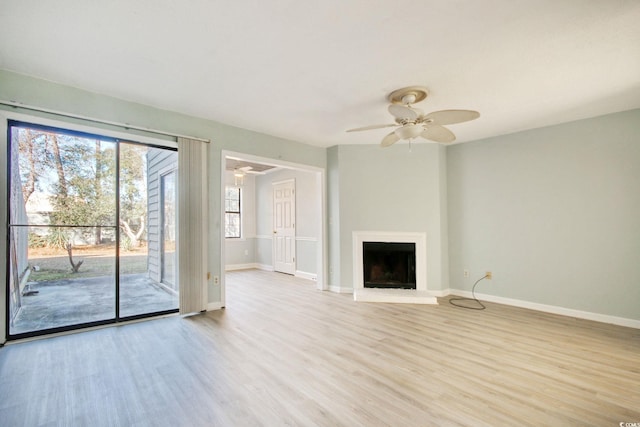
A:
x: 232, y: 212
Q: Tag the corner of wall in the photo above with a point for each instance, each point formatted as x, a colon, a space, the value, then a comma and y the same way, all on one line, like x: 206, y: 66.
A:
x: 444, y: 223
x: 333, y: 217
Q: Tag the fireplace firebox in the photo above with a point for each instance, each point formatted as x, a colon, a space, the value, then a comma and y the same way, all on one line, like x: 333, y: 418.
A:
x: 389, y: 265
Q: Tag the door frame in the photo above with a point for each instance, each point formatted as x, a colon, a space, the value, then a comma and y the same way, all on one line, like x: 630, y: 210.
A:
x: 161, y: 232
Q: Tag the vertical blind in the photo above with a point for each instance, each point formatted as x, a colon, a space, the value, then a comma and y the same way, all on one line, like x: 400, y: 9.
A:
x: 192, y: 225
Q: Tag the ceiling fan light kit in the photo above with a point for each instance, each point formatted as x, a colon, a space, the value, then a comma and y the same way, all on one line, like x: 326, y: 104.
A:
x: 411, y: 122
x: 409, y: 131
x: 240, y: 172
x: 238, y: 177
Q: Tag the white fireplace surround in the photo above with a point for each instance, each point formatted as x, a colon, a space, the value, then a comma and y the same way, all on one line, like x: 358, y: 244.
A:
x: 420, y: 295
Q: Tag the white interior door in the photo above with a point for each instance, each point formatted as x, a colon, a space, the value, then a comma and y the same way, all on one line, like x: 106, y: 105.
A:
x: 284, y: 227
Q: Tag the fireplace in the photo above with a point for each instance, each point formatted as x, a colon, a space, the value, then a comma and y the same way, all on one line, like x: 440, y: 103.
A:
x: 389, y: 265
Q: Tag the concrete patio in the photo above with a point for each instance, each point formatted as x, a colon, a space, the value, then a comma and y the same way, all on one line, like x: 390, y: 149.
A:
x: 66, y: 302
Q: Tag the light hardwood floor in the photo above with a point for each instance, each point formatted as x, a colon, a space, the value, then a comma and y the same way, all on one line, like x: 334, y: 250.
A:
x: 283, y: 353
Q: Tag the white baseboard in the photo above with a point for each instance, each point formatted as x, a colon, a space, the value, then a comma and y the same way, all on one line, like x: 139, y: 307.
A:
x: 233, y: 267
x: 213, y: 306
x: 587, y: 315
x: 305, y: 275
x: 264, y: 267
x: 441, y: 293
x: 340, y: 290
x: 248, y: 266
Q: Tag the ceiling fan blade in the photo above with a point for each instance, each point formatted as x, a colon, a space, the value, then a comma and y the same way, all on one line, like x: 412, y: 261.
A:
x: 450, y: 117
x: 404, y: 112
x: 372, y: 127
x: 390, y: 139
x: 438, y: 133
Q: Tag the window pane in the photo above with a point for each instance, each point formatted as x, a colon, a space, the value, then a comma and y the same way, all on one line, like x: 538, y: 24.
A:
x: 65, y: 179
x: 70, y: 282
x: 232, y: 226
x: 232, y: 212
x: 147, y: 230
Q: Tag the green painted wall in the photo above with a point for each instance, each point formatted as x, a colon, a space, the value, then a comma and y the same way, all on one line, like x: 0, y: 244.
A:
x: 31, y: 91
x: 387, y: 189
x: 333, y: 216
x: 27, y: 90
x: 554, y: 213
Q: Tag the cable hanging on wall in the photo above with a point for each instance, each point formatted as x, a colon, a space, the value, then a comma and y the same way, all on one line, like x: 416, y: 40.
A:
x: 455, y: 301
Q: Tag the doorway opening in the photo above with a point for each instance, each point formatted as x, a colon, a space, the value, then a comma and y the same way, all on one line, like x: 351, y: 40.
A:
x: 258, y: 177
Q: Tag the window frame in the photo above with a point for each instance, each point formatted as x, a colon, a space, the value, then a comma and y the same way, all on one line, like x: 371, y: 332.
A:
x: 233, y: 212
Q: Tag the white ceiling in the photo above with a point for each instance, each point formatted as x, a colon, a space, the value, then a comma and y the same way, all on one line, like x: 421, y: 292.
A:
x: 309, y: 70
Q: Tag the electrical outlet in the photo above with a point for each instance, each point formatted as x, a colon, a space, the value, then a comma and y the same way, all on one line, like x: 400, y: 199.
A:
x: 466, y: 274
x: 216, y: 280
x: 489, y: 275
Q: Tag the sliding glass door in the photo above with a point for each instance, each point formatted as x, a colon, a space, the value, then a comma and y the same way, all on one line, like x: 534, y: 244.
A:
x: 143, y: 203
x: 85, y: 215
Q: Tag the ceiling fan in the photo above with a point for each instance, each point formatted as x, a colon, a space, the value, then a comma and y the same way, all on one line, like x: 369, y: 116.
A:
x: 240, y: 172
x: 411, y: 122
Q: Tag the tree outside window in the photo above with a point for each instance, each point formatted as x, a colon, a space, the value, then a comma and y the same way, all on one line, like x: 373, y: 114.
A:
x: 232, y: 212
